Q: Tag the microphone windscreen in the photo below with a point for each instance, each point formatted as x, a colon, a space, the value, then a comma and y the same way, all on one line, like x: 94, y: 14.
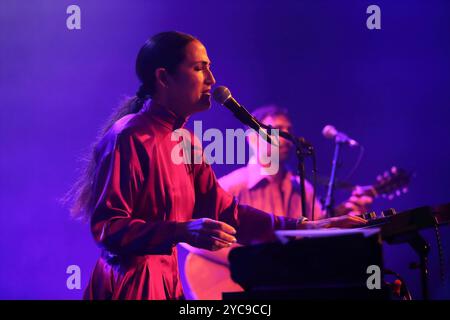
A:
x: 329, y: 132
x: 221, y: 94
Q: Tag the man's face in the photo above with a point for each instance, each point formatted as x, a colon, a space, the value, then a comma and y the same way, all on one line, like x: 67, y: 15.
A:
x: 190, y: 86
x: 279, y: 122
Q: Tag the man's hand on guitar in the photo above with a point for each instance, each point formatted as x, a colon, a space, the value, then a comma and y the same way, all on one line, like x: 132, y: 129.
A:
x: 206, y: 234
x: 358, y: 203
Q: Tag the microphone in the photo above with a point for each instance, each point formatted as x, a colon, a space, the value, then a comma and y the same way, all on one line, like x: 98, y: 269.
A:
x: 330, y: 132
x: 222, y: 95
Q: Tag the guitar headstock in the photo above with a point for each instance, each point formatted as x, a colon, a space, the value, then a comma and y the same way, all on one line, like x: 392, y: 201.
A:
x: 392, y: 183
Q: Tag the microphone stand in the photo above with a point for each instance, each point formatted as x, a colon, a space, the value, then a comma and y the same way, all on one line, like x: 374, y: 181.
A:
x: 302, y: 149
x: 299, y: 151
x: 329, y: 200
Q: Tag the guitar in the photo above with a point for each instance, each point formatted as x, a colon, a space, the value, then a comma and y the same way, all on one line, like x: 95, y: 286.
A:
x: 207, y: 273
x: 390, y: 184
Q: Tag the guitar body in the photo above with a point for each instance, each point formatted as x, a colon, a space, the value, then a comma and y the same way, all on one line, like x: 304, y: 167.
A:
x: 207, y: 273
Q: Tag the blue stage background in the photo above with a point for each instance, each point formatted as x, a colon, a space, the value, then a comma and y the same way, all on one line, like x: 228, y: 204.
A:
x: 387, y: 88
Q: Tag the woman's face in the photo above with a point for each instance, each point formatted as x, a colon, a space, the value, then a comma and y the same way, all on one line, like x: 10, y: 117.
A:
x: 190, y: 87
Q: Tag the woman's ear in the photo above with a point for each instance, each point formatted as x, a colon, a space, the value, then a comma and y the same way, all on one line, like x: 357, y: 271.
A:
x: 161, y: 76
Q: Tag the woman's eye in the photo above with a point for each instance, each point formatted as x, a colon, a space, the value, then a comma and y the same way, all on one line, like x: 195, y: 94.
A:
x: 202, y: 68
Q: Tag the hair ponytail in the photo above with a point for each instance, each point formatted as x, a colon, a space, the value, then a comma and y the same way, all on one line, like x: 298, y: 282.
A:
x: 130, y: 105
x: 80, y: 197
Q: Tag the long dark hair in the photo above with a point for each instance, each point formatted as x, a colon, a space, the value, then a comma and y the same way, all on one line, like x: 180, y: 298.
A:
x: 163, y: 50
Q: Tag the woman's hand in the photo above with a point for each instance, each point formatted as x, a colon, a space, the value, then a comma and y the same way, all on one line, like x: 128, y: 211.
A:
x: 345, y: 221
x: 206, y: 234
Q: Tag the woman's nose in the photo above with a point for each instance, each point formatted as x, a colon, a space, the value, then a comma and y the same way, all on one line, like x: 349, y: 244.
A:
x: 210, y: 78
